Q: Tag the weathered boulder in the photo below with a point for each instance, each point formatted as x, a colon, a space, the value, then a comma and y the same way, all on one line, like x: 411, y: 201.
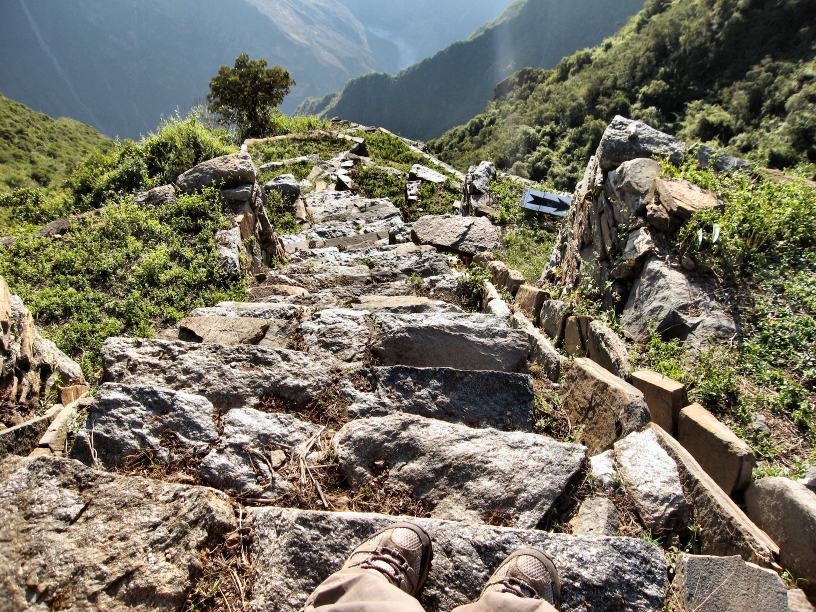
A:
x: 223, y: 330
x: 725, y: 529
x: 477, y: 399
x: 228, y: 244
x: 573, y: 343
x: 664, y: 396
x: 682, y: 198
x: 285, y: 184
x: 482, y: 175
x: 126, y: 421
x: 606, y: 349
x: 630, y: 188
x: 541, y: 350
x: 498, y: 273
x: 243, y: 462
x: 226, y: 171
x: 515, y: 279
x: 156, y: 197
x: 419, y: 172
x: 262, y: 292
x: 718, y: 161
x: 606, y: 406
x: 462, y: 344
x: 726, y: 458
x: 458, y: 471
x: 625, y: 139
x: 596, y: 517
x: 725, y: 584
x: 678, y: 307
x: 786, y: 510
x: 499, y: 308
x: 21, y: 439
x: 64, y: 523
x: 652, y: 481
x: 228, y: 376
x: 461, y: 235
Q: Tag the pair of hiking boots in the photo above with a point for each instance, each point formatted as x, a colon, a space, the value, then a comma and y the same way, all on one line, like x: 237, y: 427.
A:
x: 402, y: 554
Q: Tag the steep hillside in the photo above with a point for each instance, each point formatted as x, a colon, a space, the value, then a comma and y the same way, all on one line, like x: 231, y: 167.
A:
x: 120, y: 66
x: 451, y: 87
x: 739, y: 75
x: 38, y: 151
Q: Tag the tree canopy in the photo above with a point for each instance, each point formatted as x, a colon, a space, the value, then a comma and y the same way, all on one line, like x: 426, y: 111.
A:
x: 246, y: 96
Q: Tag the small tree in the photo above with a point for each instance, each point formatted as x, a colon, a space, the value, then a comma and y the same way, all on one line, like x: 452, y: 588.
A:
x: 246, y: 96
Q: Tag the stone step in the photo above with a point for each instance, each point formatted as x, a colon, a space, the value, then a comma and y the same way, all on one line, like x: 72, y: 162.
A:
x: 477, y: 399
x: 91, y: 540
x: 460, y: 341
x: 229, y: 376
x: 461, y: 473
x: 296, y: 550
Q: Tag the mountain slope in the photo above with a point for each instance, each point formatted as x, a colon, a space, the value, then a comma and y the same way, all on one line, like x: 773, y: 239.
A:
x: 120, y: 66
x: 738, y: 75
x: 451, y: 87
x: 38, y: 151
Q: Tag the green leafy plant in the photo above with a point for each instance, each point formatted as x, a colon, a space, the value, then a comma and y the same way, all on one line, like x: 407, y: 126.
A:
x: 471, y: 284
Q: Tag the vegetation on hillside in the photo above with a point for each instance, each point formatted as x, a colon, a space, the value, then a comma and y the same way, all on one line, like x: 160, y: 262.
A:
x: 40, y: 152
x: 739, y: 75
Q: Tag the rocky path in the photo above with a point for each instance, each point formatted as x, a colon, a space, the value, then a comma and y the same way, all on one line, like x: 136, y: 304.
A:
x: 234, y: 462
x: 353, y: 379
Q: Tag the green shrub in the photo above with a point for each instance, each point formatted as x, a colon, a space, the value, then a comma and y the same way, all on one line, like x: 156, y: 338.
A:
x: 128, y: 272
x: 28, y: 206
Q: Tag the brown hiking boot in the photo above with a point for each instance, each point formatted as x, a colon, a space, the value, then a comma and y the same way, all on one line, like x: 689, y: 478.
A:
x: 401, y: 553
x: 527, y: 573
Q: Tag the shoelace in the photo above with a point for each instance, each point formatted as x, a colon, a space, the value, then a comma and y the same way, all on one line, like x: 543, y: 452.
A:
x: 396, y: 563
x: 517, y: 587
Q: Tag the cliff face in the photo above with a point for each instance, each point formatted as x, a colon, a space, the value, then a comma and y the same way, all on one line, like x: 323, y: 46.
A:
x: 451, y: 87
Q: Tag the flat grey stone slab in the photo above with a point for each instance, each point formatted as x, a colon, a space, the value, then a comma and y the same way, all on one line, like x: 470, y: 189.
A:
x: 460, y: 472
x: 403, y: 304
x: 625, y: 139
x: 341, y: 333
x: 90, y: 540
x: 462, y: 235
x: 501, y: 400
x: 242, y: 462
x: 257, y: 310
x: 228, y: 376
x: 295, y: 550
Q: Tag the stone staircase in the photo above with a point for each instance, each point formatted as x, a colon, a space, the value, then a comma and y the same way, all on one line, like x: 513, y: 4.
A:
x: 353, y: 373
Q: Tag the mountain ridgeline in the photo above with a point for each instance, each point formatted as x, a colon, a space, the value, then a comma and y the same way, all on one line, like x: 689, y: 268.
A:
x: 740, y: 76
x: 448, y: 89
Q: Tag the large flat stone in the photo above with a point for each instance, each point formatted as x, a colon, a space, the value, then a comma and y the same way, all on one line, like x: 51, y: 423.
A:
x: 402, y: 304
x: 786, y: 510
x: 419, y: 172
x: 461, y: 235
x: 295, y: 550
x: 226, y: 171
x: 126, y: 420
x: 74, y: 538
x: 652, y: 481
x: 228, y: 376
x: 453, y: 344
x: 461, y: 472
x: 726, y: 458
x: 553, y: 317
x: 529, y: 300
x: 341, y: 333
x: 477, y: 399
x: 257, y: 310
x: 606, y: 349
x: 606, y: 406
x: 597, y: 516
x: 726, y: 530
x: 725, y: 584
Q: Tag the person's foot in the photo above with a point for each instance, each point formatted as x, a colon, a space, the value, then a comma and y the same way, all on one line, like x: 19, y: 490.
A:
x: 400, y: 553
x: 527, y: 573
